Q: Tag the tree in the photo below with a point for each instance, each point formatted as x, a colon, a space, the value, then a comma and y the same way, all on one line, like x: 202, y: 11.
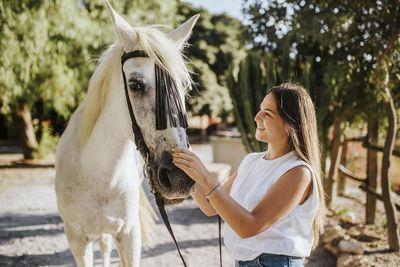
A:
x: 357, y: 42
x: 214, y: 46
x: 47, y: 49
x: 370, y: 38
x: 290, y: 33
x: 36, y: 58
x: 247, y: 89
x: 390, y: 16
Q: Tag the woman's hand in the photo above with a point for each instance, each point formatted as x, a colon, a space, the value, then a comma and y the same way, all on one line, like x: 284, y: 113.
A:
x: 191, y: 165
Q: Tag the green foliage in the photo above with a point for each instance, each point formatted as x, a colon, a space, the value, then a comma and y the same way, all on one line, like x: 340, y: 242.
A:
x: 247, y: 91
x: 341, y: 212
x: 47, y: 141
x: 40, y: 55
x: 214, y: 46
x: 214, y: 98
x: 292, y: 35
x: 49, y: 48
x: 334, y: 46
x: 136, y: 12
x: 337, y: 42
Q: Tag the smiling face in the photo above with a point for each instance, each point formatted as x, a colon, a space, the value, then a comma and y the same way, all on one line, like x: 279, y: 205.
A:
x: 270, y: 126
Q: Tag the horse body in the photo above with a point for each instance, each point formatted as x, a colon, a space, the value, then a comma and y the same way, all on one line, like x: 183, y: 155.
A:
x: 96, y: 179
x: 98, y: 188
x: 99, y: 172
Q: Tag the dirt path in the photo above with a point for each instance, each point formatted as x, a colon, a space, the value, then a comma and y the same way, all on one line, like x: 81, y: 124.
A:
x: 31, y: 232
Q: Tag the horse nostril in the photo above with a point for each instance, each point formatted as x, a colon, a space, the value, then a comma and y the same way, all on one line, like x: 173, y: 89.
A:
x: 164, y: 177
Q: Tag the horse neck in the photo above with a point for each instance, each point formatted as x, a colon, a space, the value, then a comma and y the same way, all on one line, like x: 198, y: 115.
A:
x: 109, y: 149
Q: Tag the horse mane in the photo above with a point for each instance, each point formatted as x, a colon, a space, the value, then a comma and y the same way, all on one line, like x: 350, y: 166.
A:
x: 158, y: 47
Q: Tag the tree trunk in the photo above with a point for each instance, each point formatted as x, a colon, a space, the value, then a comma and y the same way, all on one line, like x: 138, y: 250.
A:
x: 383, y: 72
x: 341, y: 176
x: 372, y: 168
x: 323, y: 162
x: 335, y: 161
x: 26, y: 131
x: 3, y: 128
x: 323, y: 137
x: 393, y: 230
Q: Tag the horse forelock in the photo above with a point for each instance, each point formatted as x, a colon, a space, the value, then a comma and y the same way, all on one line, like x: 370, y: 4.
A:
x: 158, y: 47
x: 165, y: 54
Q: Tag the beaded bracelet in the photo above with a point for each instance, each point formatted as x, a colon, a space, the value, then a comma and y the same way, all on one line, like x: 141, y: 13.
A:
x: 216, y: 189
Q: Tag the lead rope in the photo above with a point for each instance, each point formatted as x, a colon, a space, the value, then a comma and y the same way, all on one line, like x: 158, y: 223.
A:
x: 164, y: 216
x: 219, y: 240
x: 144, y: 150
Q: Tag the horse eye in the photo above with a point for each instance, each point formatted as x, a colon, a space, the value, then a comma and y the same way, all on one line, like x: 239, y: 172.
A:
x: 137, y: 84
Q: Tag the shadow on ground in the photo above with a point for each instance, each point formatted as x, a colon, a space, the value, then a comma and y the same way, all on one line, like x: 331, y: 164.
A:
x: 62, y: 258
x: 168, y: 247
x: 187, y: 216
x: 14, y: 226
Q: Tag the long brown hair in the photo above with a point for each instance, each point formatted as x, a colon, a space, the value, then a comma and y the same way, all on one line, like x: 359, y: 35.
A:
x: 295, y: 106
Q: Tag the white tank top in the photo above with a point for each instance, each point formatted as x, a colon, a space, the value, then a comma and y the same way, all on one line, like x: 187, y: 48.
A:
x: 293, y: 235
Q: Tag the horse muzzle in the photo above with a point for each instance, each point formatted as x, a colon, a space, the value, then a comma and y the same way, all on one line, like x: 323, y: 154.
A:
x: 173, y: 182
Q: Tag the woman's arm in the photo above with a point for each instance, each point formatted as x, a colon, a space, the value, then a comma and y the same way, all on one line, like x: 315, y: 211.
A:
x: 199, y: 195
x: 290, y: 190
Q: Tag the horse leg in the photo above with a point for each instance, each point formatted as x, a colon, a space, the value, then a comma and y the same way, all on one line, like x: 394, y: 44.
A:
x: 129, y: 247
x: 105, y: 243
x: 80, y: 246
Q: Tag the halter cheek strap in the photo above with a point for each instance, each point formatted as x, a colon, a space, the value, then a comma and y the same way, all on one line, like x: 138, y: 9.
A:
x: 139, y: 141
x: 144, y: 150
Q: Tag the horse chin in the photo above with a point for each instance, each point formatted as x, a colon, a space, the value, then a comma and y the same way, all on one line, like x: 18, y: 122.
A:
x: 175, y: 201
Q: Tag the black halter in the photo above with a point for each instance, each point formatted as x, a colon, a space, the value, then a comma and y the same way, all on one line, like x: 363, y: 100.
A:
x: 168, y: 103
x: 161, y: 122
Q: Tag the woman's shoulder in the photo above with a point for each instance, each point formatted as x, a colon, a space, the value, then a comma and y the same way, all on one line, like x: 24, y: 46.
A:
x: 299, y: 173
x: 295, y: 159
x: 250, y: 158
x: 254, y: 156
x: 300, y: 167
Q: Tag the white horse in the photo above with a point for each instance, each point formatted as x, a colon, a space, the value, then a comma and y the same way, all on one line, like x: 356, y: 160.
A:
x: 98, y: 169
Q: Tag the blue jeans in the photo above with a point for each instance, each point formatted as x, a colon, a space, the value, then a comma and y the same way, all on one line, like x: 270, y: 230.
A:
x: 272, y: 260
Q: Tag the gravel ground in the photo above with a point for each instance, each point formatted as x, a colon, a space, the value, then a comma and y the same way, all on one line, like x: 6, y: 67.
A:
x: 31, y: 231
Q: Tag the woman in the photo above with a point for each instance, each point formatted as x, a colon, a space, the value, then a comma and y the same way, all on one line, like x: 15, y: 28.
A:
x: 273, y: 205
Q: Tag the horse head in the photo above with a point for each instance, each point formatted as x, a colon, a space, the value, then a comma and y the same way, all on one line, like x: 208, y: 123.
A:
x: 155, y: 79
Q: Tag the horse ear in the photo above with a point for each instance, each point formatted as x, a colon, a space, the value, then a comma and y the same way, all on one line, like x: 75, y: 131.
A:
x: 125, y: 33
x: 182, y: 33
